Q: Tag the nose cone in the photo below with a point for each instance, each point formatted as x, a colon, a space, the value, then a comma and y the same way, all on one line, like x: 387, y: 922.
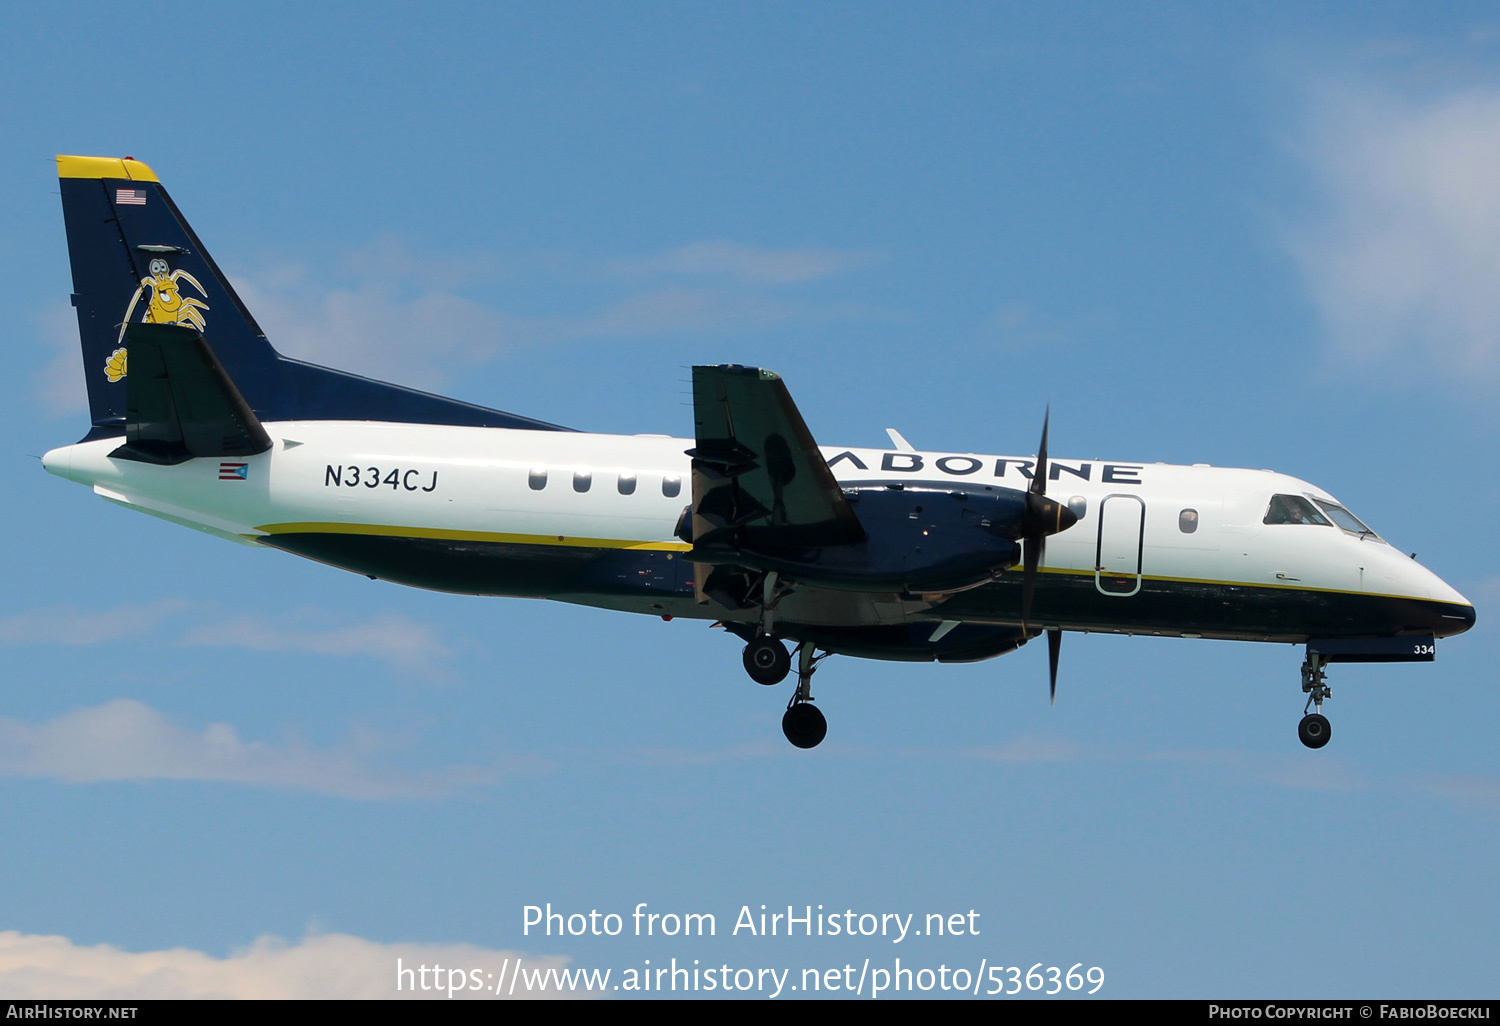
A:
x: 1445, y: 592
x: 1453, y: 614
x: 1458, y: 619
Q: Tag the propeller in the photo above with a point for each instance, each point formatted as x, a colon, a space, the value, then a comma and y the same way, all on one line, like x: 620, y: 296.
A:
x: 1054, y: 649
x: 1043, y: 516
x: 1035, y: 541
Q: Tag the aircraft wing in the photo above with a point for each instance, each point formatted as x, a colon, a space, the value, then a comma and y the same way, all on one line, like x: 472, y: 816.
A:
x: 181, y: 402
x: 759, y: 481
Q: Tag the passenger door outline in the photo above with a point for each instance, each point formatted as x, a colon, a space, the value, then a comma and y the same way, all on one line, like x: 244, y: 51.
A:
x: 1115, y: 544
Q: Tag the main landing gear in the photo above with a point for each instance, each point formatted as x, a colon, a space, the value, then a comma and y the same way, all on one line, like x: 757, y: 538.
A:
x: 803, y: 724
x: 768, y: 662
x: 766, y: 659
x: 1314, y: 730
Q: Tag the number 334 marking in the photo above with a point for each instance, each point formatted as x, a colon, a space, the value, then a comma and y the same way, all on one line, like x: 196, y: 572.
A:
x: 397, y: 479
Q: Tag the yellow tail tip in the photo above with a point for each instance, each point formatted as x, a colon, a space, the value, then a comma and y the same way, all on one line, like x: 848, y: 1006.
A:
x: 126, y: 168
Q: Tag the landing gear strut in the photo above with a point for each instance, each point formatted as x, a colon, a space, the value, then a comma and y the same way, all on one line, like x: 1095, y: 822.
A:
x: 1314, y: 730
x: 766, y: 659
x: 803, y: 724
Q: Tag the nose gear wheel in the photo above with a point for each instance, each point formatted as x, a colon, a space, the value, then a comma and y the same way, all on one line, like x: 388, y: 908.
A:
x: 1314, y: 730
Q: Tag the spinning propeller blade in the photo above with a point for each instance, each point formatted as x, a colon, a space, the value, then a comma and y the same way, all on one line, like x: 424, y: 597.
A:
x: 1039, y: 477
x: 1054, y: 649
x: 1035, y: 546
x: 1043, y: 517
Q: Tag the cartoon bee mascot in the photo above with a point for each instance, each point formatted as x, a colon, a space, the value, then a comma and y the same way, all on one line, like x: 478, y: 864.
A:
x: 167, y: 306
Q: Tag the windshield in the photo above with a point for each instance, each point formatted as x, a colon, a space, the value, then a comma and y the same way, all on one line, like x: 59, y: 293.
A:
x: 1293, y: 509
x: 1341, y: 516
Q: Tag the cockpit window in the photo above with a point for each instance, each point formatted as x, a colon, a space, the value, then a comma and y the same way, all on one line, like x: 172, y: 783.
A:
x: 1293, y: 509
x: 1341, y: 516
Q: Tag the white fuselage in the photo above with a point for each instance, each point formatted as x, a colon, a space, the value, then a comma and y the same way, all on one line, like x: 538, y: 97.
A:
x: 563, y: 490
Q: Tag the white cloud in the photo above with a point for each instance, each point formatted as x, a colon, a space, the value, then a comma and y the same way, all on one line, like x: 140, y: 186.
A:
x: 1020, y: 328
x: 401, y: 641
x: 60, y: 384
x: 1299, y: 769
x: 1295, y: 769
x: 404, y: 643
x: 675, y: 310
x: 1404, y: 262
x: 387, y: 260
x: 401, y: 319
x: 1027, y: 749
x: 128, y: 740
x: 747, y: 263
x: 375, y: 329
x: 37, y: 967
x: 1479, y: 791
x: 764, y: 748
x: 66, y: 625
x: 420, y: 341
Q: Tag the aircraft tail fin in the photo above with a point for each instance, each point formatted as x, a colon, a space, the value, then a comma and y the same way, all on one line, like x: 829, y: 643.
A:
x: 136, y: 260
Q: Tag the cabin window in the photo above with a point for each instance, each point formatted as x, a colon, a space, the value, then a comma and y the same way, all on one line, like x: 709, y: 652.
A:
x: 582, y: 480
x: 1079, y: 505
x: 1187, y: 521
x: 1341, y: 516
x: 671, y: 486
x: 627, y: 484
x: 537, y: 479
x: 1293, y: 509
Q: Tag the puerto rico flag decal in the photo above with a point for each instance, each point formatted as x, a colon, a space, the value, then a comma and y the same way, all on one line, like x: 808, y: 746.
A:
x: 234, y: 471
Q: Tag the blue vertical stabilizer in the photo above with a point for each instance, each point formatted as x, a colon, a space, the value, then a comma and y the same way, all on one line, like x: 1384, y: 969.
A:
x: 136, y: 260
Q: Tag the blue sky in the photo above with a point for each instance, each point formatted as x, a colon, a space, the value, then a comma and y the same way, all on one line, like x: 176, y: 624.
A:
x: 1248, y: 235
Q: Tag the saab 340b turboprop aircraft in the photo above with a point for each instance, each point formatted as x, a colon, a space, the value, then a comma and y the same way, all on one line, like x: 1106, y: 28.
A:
x: 885, y: 554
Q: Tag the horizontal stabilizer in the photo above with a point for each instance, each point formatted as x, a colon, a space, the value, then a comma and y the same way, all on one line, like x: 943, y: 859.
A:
x: 180, y: 402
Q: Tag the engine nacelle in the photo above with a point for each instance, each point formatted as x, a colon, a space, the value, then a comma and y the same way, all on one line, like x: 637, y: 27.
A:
x: 919, y: 538
x: 906, y: 642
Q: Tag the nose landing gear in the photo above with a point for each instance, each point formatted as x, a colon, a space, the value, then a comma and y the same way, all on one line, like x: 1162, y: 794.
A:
x: 1314, y: 730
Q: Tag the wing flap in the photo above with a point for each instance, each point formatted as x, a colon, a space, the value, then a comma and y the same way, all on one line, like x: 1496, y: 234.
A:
x: 759, y: 481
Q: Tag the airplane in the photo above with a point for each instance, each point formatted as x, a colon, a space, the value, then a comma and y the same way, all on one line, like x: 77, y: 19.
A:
x: 894, y: 554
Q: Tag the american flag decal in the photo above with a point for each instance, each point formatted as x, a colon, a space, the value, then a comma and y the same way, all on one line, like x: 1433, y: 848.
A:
x: 234, y: 471
x: 130, y: 197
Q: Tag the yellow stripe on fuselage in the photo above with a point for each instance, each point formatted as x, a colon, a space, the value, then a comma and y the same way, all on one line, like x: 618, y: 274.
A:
x: 385, y: 531
x: 1238, y: 584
